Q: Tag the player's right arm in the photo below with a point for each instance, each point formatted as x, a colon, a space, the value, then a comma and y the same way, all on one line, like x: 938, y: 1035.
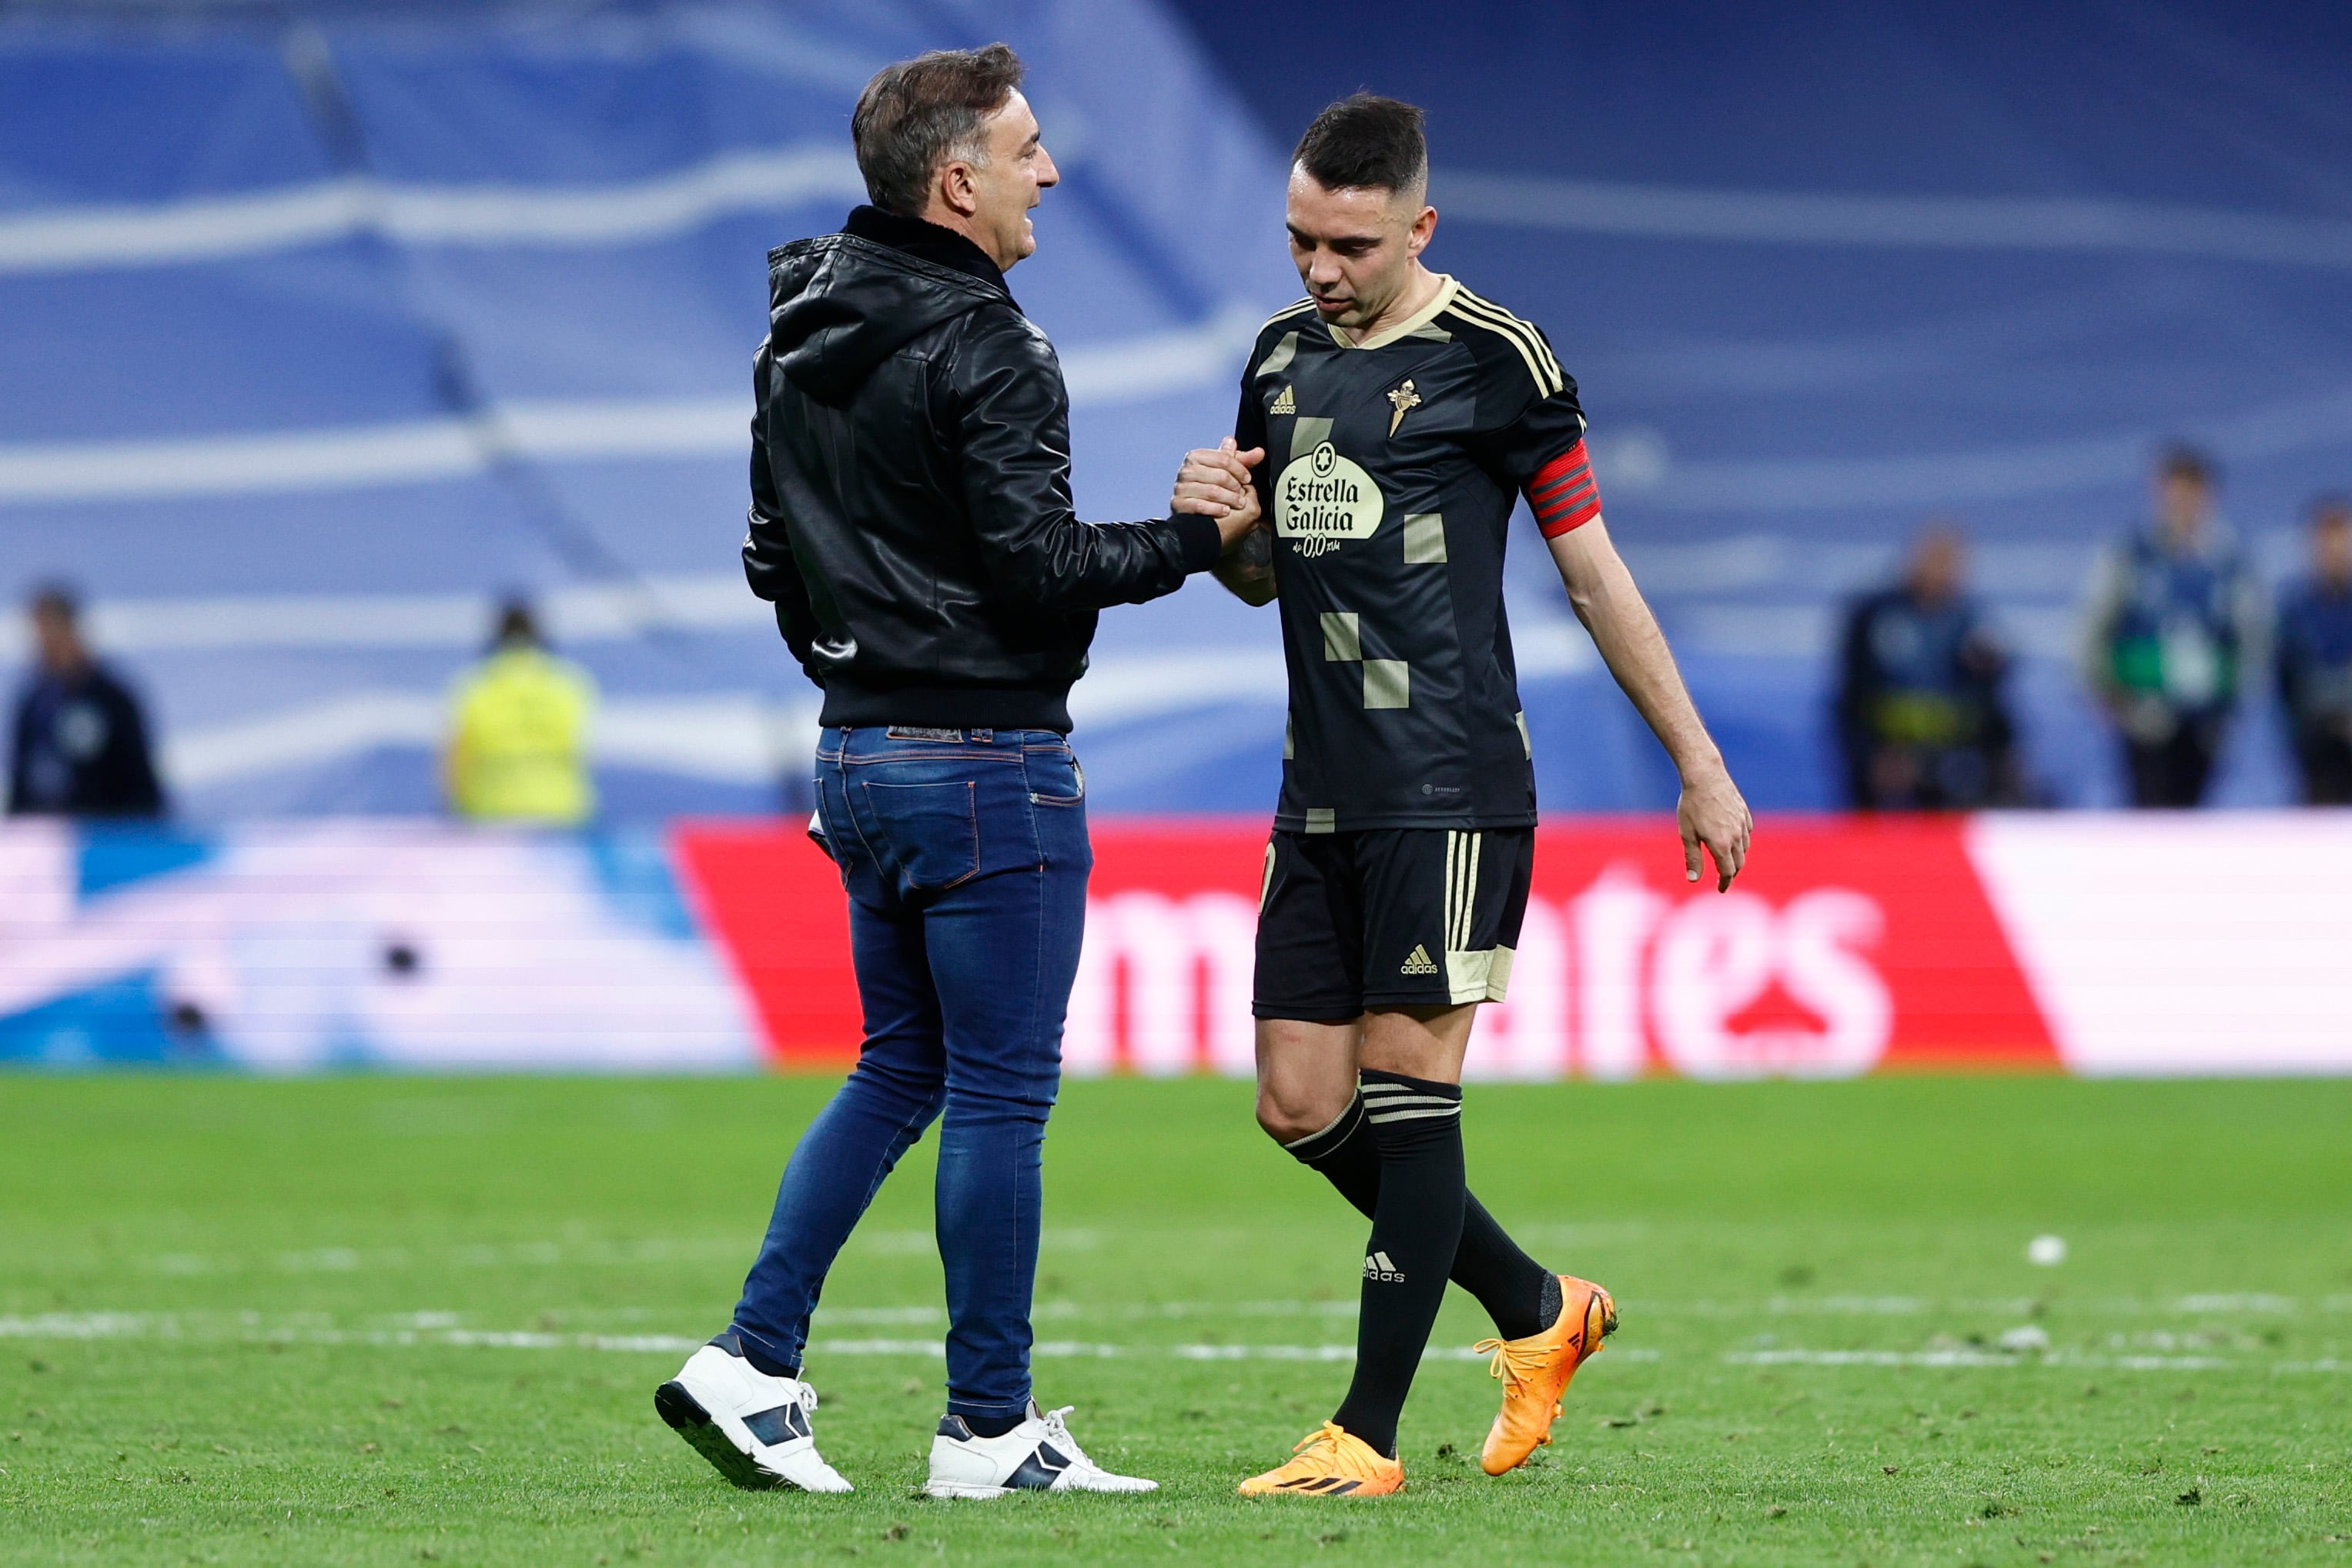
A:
x: 1232, y: 479
x: 1219, y: 482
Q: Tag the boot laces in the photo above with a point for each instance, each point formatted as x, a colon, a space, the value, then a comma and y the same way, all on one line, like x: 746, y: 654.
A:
x: 1515, y: 1366
x: 1325, y: 1450
x: 1325, y: 1436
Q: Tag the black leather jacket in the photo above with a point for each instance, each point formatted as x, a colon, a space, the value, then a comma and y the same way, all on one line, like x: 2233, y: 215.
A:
x: 910, y: 489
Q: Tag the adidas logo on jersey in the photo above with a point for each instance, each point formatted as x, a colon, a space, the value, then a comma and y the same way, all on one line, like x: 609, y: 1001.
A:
x: 1284, y: 402
x: 1419, y: 963
x: 1377, y: 1266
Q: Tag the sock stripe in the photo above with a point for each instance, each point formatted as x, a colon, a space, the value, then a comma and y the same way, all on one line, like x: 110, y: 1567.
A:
x: 1379, y: 1117
x: 1323, y: 1140
x: 1390, y: 1101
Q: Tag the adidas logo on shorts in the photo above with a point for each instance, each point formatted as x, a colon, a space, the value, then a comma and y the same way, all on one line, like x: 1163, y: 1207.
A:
x: 1377, y: 1266
x: 1419, y: 963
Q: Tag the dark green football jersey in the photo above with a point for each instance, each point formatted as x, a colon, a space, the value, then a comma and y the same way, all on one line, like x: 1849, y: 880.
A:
x: 1392, y: 469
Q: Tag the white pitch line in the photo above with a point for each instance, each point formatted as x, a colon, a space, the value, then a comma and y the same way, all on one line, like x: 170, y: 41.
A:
x: 1993, y: 1358
x: 608, y: 1253
x: 156, y: 1326
x: 431, y: 1330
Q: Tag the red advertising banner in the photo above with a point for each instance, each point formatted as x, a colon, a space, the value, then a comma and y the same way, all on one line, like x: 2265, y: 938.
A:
x: 1847, y: 947
x: 2154, y: 942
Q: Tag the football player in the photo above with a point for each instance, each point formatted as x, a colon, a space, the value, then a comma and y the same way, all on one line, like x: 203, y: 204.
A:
x: 1389, y: 422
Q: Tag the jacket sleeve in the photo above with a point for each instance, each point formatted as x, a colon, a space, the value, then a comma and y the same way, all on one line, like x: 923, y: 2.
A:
x: 2287, y: 653
x: 1855, y: 693
x: 1012, y: 414
x: 20, y: 747
x: 139, y: 793
x: 768, y: 563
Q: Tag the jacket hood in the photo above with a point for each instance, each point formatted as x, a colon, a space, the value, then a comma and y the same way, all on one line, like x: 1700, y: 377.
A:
x: 839, y: 305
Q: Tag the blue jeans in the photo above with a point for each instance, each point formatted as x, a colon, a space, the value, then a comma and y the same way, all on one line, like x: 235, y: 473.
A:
x: 964, y: 853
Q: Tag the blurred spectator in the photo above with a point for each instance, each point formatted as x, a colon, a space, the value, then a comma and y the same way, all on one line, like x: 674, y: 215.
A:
x: 80, y: 739
x: 2315, y: 657
x: 1920, y: 713
x: 2174, y: 620
x: 519, y: 742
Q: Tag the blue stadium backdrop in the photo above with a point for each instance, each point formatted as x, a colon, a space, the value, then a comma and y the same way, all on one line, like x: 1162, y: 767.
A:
x: 323, y: 324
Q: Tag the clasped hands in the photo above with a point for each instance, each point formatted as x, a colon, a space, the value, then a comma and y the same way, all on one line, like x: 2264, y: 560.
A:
x: 1215, y: 483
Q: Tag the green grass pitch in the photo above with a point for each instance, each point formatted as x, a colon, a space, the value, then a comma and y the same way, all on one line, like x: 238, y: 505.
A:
x: 404, y: 1320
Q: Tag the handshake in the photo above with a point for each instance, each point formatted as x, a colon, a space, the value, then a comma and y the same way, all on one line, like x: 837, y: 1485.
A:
x: 1215, y: 483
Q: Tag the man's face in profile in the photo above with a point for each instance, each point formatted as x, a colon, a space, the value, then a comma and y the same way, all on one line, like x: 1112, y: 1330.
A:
x: 1012, y: 181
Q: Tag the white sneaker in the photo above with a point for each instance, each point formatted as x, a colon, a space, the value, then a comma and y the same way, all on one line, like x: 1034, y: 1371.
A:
x: 753, y: 1428
x: 1039, y: 1455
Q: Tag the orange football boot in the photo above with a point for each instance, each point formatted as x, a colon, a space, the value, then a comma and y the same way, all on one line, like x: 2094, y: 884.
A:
x: 1535, y: 1372
x: 1330, y: 1463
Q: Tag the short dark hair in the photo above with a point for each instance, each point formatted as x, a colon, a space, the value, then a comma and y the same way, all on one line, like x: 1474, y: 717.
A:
x: 58, y: 599
x: 518, y: 625
x: 1366, y: 142
x: 2178, y: 460
x: 920, y: 113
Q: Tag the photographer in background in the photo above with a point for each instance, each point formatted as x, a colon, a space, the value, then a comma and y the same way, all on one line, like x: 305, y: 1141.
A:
x: 2315, y: 657
x: 80, y: 740
x: 1921, y: 716
x: 2174, y: 620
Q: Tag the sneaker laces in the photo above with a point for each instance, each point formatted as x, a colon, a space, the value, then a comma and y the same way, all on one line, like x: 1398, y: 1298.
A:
x: 1059, y: 1429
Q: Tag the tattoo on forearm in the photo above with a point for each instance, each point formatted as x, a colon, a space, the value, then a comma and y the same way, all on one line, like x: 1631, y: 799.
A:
x: 1249, y: 570
x: 1255, y: 556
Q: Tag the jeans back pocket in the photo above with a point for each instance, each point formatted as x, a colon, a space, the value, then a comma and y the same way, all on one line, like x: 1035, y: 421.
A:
x: 1054, y: 776
x: 932, y: 831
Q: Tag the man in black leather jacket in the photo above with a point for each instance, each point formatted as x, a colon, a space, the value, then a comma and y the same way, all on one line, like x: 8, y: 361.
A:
x: 911, y: 521
x: 910, y: 482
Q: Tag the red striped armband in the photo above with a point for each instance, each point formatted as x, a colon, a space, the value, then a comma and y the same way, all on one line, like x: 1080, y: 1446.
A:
x: 1562, y: 493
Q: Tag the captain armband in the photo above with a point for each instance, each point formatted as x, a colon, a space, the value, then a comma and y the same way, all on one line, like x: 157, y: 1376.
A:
x: 1562, y: 493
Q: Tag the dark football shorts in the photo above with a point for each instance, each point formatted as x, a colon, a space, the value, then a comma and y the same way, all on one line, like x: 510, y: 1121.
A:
x: 1391, y: 917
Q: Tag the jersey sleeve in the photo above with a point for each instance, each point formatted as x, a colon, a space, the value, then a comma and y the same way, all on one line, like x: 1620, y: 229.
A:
x: 1249, y: 426
x: 1530, y: 435
x: 1249, y: 420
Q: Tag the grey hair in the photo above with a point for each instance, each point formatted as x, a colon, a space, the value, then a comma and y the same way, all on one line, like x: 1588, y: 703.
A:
x: 920, y: 113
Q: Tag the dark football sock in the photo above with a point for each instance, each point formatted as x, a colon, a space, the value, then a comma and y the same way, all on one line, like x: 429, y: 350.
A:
x: 1416, y: 1124
x: 1520, y: 1294
x: 993, y: 1426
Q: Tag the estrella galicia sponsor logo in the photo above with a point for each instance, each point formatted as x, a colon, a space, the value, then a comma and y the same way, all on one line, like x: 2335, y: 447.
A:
x: 1323, y: 498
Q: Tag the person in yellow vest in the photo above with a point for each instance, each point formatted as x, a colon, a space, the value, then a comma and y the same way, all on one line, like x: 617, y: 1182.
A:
x: 519, y: 734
